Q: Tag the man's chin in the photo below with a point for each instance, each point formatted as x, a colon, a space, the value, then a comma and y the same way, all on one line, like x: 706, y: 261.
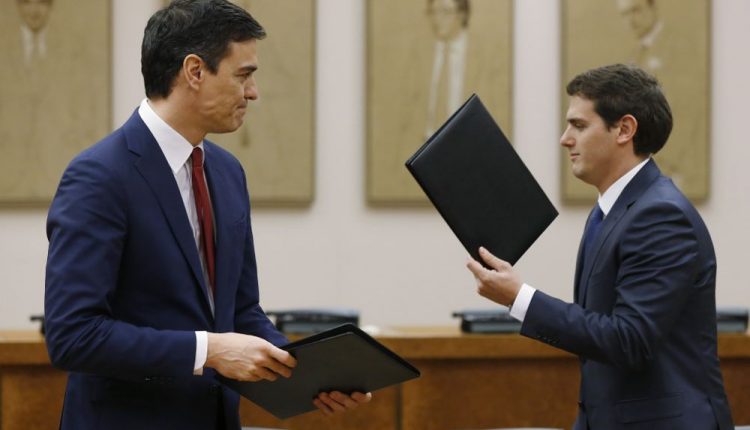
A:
x: 239, y: 121
x: 229, y: 129
x: 579, y: 174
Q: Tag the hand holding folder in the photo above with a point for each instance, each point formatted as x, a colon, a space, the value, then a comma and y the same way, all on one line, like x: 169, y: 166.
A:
x: 480, y: 186
x: 344, y: 359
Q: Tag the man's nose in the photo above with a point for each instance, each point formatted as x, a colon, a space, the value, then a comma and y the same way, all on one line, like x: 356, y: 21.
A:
x: 251, y: 91
x: 566, y: 140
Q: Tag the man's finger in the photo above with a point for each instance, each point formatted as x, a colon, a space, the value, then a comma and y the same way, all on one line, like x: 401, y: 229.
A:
x: 475, y: 267
x: 481, y: 274
x: 278, y: 367
x: 322, y: 406
x: 284, y: 357
x: 343, y: 399
x: 361, y: 397
x: 331, y: 403
x: 491, y: 260
x: 263, y: 373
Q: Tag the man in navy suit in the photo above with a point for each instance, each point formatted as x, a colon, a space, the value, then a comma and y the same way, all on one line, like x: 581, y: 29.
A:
x: 644, y: 318
x: 150, y: 293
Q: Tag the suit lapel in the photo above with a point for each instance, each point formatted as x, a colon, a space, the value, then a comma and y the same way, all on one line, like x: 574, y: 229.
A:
x: 637, y: 186
x: 153, y: 166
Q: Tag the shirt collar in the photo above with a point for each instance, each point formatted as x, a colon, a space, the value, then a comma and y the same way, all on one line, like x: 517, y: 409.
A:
x: 608, y: 199
x: 175, y: 147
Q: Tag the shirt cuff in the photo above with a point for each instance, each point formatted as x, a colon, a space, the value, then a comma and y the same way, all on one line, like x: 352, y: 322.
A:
x: 201, y: 352
x: 522, y: 302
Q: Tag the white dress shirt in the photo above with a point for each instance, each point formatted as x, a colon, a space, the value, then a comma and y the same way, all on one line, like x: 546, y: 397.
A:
x: 605, y: 202
x: 177, y: 151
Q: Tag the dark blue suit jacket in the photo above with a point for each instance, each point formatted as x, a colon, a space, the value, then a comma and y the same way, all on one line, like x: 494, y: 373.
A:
x: 644, y: 321
x: 125, y: 291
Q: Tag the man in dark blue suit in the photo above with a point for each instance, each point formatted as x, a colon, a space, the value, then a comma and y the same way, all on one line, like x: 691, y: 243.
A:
x: 644, y: 318
x: 151, y: 287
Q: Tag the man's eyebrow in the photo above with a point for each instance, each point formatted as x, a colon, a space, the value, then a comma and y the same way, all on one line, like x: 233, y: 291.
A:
x: 249, y: 68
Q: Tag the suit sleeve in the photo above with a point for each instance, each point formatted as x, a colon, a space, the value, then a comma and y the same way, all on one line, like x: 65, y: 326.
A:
x: 249, y: 316
x: 87, y: 230
x: 658, y: 260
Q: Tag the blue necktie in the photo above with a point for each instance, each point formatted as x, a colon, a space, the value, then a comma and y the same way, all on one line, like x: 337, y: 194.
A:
x: 592, y: 229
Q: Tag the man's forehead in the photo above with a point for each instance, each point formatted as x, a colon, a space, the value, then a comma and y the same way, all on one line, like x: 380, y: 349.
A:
x: 580, y: 107
x: 242, y: 54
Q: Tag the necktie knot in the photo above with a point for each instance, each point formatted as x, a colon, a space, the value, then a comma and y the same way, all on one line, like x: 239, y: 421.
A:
x: 597, y: 215
x: 197, y: 158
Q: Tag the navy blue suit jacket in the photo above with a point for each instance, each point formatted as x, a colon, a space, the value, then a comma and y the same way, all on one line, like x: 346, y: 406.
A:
x: 125, y: 291
x: 644, y: 321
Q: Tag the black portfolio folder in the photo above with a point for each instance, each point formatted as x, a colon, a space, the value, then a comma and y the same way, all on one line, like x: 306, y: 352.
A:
x: 342, y: 359
x: 480, y: 186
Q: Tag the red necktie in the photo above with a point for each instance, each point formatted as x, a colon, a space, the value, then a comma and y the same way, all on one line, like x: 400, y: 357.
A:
x: 205, y: 219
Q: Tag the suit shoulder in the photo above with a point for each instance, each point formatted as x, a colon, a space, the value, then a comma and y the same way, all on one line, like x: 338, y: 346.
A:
x: 663, y: 192
x: 104, y: 161
x: 664, y: 202
x: 108, y: 150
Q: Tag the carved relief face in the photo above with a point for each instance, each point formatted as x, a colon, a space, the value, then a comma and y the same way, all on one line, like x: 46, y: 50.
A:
x: 446, y: 18
x: 640, y: 14
x: 35, y: 13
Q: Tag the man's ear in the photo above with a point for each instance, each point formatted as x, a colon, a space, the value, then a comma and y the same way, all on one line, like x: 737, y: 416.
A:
x: 193, y: 70
x: 628, y: 125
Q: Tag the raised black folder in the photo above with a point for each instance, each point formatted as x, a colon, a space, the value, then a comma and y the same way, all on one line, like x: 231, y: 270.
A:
x: 343, y: 359
x: 480, y: 186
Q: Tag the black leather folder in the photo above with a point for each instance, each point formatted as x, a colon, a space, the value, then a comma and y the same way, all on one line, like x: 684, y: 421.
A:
x: 343, y: 359
x: 480, y: 186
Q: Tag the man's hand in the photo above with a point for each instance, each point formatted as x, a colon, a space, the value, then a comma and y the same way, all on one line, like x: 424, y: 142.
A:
x: 247, y: 358
x: 337, y: 402
x: 500, y: 285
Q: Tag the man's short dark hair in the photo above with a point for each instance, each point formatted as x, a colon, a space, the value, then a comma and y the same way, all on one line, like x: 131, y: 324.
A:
x: 618, y: 90
x: 201, y: 27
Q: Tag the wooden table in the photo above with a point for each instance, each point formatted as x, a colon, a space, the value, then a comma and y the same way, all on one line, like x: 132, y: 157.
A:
x: 468, y: 382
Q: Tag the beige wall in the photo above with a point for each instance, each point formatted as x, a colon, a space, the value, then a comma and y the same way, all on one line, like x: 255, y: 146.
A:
x: 404, y: 266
